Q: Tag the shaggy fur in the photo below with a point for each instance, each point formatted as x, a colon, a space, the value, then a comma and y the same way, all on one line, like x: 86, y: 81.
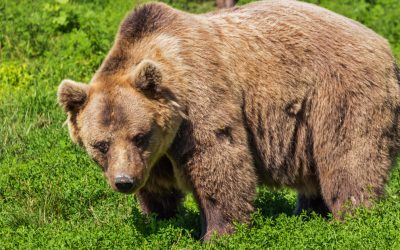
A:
x: 281, y: 93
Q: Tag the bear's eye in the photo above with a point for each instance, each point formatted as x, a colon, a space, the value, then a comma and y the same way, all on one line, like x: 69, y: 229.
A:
x: 102, y: 146
x: 141, y: 140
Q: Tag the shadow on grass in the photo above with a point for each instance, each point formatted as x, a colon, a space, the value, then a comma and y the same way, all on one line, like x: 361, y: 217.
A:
x: 268, y: 203
x: 273, y: 203
x: 186, y: 220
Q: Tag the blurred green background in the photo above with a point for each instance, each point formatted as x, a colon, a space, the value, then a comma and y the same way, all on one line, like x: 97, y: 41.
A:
x: 53, y: 196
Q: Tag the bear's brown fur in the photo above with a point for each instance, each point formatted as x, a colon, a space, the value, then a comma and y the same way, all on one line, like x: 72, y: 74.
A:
x: 281, y: 93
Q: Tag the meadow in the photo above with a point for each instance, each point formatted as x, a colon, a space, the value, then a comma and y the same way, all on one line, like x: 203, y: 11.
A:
x: 52, y: 196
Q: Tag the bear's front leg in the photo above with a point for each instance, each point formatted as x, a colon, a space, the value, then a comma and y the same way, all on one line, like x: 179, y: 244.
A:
x: 160, y: 194
x: 224, y: 182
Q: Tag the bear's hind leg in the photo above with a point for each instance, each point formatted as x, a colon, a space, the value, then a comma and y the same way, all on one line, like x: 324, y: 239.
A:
x: 354, y: 136
x: 311, y: 204
x: 342, y: 192
x: 353, y: 169
x: 353, y: 175
x: 164, y: 204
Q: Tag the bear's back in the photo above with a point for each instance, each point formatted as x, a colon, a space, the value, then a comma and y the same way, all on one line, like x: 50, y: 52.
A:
x: 294, y: 43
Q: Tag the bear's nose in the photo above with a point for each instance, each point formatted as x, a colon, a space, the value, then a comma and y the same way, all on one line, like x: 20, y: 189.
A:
x: 124, y: 183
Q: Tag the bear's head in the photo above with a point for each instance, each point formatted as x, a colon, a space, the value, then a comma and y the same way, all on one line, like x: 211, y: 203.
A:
x: 125, y: 126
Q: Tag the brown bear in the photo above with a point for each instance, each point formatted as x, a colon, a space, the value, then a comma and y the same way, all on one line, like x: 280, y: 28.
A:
x: 281, y: 93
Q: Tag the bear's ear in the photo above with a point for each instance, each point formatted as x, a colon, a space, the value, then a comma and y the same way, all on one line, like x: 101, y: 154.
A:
x: 72, y: 95
x: 147, y: 78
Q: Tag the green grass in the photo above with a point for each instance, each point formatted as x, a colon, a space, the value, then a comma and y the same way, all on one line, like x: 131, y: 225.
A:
x: 53, y: 196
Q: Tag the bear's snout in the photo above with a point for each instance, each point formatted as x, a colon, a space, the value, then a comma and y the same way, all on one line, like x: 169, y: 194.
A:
x: 125, y: 184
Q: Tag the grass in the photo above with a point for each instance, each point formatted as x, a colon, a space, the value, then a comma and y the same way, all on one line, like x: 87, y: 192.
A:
x: 53, y: 196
